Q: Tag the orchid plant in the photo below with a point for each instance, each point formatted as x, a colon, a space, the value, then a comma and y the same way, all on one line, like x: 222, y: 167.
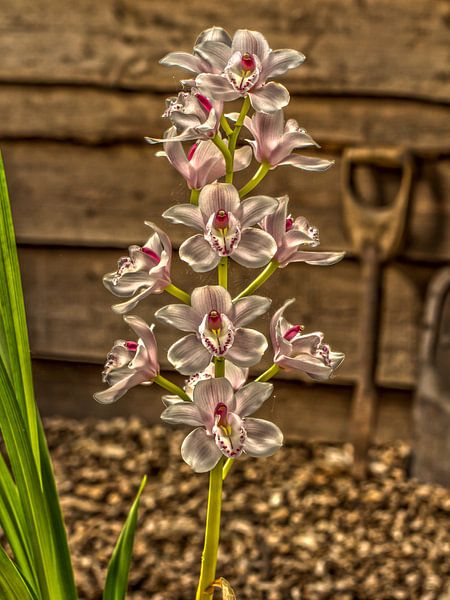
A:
x: 255, y: 231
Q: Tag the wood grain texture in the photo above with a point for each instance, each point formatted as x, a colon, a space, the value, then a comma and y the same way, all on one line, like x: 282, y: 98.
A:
x: 309, y: 412
x: 69, y: 316
x: 374, y: 47
x: 89, y: 196
x: 95, y: 116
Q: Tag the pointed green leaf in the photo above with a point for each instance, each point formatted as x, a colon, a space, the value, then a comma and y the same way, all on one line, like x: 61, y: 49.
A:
x: 14, y: 327
x: 12, y: 585
x: 119, y: 566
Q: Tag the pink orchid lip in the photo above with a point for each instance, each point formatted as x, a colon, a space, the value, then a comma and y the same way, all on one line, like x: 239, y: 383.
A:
x: 151, y: 254
x: 220, y: 414
x: 131, y: 346
x: 203, y: 100
x: 292, y: 332
x: 214, y: 321
x: 221, y: 219
x: 289, y: 223
x: 192, y: 150
x: 248, y: 62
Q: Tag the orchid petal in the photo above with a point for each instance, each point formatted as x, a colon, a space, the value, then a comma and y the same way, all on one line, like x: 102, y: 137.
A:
x: 188, y: 355
x: 255, y: 249
x: 119, y: 389
x: 275, y: 223
x: 251, y: 397
x: 216, y: 53
x: 211, y: 297
x: 214, y: 34
x: 255, y: 208
x: 198, y: 254
x: 250, y: 307
x: 263, y: 437
x: 181, y: 316
x: 200, y: 451
x: 242, y: 158
x: 250, y: 42
x: 315, y: 258
x: 273, y: 323
x: 216, y: 86
x: 127, y: 284
x: 185, y: 214
x: 183, y: 60
x: 307, y: 163
x: 145, y: 333
x: 248, y: 347
x: 186, y: 413
x: 218, y: 196
x: 123, y: 307
x: 312, y: 366
x: 235, y: 375
x: 280, y: 61
x: 269, y: 98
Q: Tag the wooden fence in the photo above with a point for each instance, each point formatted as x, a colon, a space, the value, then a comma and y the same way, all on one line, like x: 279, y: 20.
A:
x: 80, y: 86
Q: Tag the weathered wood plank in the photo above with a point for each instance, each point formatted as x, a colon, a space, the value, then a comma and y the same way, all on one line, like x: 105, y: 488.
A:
x: 104, y: 116
x: 77, y: 195
x: 321, y: 412
x: 69, y: 317
x: 376, y: 47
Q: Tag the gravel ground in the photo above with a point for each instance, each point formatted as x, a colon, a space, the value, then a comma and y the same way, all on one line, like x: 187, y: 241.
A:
x: 296, y: 526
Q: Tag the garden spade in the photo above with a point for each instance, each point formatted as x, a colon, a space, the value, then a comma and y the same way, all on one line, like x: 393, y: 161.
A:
x: 376, y: 233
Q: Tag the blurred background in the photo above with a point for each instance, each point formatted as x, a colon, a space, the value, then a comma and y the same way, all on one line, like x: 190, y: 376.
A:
x: 80, y: 87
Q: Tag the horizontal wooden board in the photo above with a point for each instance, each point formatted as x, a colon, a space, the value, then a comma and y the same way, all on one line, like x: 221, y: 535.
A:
x: 308, y: 412
x: 375, y: 47
x: 77, y: 195
x: 69, y: 316
x: 95, y: 116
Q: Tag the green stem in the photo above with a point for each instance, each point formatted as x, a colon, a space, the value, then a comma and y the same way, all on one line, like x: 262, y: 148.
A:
x: 264, y: 168
x: 258, y: 281
x: 237, y: 128
x: 219, y: 366
x: 227, y: 467
x: 173, y: 290
x: 225, y: 126
x: 173, y: 388
x: 194, y: 196
x: 212, y: 533
x: 271, y: 372
x: 222, y: 272
x: 227, y: 156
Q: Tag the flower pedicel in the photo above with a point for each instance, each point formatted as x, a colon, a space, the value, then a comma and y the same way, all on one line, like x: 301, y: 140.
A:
x: 257, y: 232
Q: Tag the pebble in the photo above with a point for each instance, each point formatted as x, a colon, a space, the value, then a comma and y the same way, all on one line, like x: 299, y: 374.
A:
x: 295, y: 526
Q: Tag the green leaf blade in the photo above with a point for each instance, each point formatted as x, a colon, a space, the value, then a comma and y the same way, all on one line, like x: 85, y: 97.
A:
x: 119, y: 566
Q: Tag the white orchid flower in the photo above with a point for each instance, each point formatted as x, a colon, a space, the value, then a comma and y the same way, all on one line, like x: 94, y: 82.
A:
x: 245, y: 67
x: 193, y: 115
x: 294, y: 351
x: 223, y: 427
x: 290, y: 235
x: 145, y: 271
x: 130, y: 363
x: 215, y: 326
x: 204, y: 162
x: 225, y: 223
x: 275, y: 141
